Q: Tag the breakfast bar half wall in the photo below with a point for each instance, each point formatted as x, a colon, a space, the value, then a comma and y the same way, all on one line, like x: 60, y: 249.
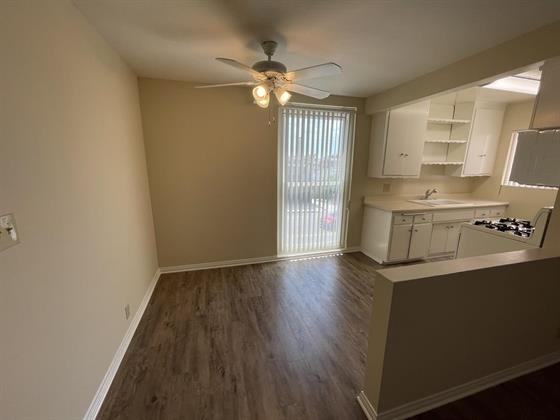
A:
x: 444, y: 330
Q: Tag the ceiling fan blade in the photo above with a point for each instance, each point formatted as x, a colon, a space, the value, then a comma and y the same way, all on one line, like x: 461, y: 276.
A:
x: 307, y: 91
x: 227, y: 84
x: 257, y: 75
x: 320, y: 70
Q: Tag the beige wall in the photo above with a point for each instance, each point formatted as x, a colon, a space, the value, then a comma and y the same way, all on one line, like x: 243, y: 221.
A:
x: 72, y: 170
x: 212, y: 160
x: 441, y: 325
x: 524, y: 202
x: 430, y: 177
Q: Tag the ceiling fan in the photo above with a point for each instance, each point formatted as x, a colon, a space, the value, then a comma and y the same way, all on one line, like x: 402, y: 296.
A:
x: 271, y: 76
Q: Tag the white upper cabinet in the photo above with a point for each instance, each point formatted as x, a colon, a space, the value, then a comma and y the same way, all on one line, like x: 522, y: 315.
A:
x: 477, y: 156
x: 462, y: 137
x: 397, y: 141
x: 483, y: 141
x: 547, y: 105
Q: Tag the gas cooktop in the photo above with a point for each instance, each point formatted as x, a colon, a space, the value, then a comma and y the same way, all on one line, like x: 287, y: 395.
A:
x: 519, y: 227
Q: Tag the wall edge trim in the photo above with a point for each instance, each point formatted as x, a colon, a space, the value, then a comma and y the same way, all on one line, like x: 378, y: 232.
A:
x: 366, y: 406
x: 452, y: 394
x: 107, y: 380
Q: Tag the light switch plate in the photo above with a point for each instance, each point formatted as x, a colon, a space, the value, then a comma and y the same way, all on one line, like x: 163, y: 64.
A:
x: 8, y: 231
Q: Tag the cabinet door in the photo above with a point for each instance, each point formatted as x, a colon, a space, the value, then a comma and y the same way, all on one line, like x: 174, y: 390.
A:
x: 438, y: 243
x: 400, y: 242
x: 379, y: 124
x: 453, y: 231
x: 420, y: 240
x: 405, y: 140
x: 483, y: 141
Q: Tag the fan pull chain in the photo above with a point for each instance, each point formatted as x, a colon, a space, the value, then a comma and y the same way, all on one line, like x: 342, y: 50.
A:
x: 271, y: 116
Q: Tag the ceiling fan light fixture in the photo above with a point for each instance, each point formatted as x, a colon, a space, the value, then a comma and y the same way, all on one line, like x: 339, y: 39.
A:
x: 263, y: 102
x: 283, y: 96
x: 260, y: 92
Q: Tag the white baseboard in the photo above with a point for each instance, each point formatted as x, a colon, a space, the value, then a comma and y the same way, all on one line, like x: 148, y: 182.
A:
x: 249, y: 261
x: 105, y: 384
x: 452, y: 394
x: 367, y: 408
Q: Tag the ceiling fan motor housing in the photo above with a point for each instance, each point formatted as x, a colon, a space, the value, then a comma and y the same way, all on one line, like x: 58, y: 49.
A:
x: 269, y: 65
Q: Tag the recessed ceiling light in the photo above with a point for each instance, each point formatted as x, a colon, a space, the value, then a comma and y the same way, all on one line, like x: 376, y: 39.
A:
x: 515, y: 84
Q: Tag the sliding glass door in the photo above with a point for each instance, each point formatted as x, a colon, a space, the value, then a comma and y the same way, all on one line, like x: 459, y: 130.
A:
x: 315, y: 158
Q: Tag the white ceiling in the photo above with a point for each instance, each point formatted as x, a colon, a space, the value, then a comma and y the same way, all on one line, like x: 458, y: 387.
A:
x: 379, y: 44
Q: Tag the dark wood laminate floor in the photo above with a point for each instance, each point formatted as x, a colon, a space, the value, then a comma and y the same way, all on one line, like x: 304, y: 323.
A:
x: 535, y: 396
x: 282, y: 340
x: 275, y: 341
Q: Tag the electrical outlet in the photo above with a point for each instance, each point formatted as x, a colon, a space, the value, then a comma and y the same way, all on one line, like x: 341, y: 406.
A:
x: 8, y: 231
x: 127, y: 311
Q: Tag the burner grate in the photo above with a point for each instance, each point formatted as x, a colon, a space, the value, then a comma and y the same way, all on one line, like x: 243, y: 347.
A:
x: 519, y: 227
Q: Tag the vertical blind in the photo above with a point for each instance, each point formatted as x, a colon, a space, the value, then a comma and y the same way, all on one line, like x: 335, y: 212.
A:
x: 315, y: 148
x: 535, y: 158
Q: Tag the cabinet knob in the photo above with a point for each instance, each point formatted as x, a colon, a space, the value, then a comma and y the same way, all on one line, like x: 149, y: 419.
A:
x: 401, y: 155
x: 484, y: 155
x: 406, y: 155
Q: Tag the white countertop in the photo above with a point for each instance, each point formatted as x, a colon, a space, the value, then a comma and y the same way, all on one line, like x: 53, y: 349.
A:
x: 400, y: 203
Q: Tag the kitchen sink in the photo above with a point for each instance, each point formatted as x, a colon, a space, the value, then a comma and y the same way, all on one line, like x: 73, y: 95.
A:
x: 436, y: 202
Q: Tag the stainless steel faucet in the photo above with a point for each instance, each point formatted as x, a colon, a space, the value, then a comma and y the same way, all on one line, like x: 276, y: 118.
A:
x: 429, y: 193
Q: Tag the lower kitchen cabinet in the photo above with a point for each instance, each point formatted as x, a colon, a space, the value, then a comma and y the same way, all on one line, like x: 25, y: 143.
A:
x: 445, y: 238
x: 420, y: 241
x: 397, y: 236
x: 400, y: 242
x: 410, y: 242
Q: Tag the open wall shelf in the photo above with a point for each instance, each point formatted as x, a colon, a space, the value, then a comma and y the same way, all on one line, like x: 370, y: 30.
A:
x: 447, y: 134
x: 446, y: 141
x: 442, y: 163
x: 447, y: 121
